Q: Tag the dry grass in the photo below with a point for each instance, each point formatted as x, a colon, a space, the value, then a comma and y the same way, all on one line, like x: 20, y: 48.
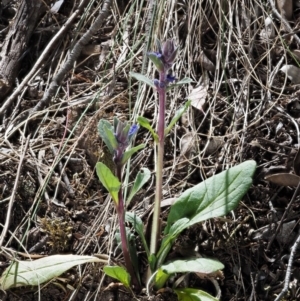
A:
x: 47, y: 160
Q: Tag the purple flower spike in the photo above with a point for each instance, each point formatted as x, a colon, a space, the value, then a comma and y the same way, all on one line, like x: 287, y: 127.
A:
x: 164, y: 57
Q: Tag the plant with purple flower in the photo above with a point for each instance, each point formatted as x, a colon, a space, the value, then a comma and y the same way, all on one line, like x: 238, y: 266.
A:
x: 118, y: 139
x: 211, y: 198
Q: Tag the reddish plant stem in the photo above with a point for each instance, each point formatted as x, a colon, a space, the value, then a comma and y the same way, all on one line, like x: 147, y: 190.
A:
x: 124, y: 242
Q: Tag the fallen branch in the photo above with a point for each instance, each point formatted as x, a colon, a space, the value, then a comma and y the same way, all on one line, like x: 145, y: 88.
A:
x: 40, y: 60
x: 16, y: 42
x: 13, y: 194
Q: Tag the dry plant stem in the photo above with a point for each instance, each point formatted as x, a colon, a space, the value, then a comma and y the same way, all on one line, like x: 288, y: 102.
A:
x: 124, y: 242
x: 41, y: 181
x: 57, y: 152
x: 35, y: 68
x: 12, y: 198
x: 58, y: 78
x: 63, y: 174
x: 159, y: 164
x: 289, y: 270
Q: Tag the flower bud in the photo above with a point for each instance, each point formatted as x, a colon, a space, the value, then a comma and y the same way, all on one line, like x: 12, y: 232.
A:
x: 169, y: 51
x: 123, y: 133
x: 164, y: 57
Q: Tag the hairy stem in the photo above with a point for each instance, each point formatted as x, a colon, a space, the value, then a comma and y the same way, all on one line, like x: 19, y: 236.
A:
x: 159, y: 164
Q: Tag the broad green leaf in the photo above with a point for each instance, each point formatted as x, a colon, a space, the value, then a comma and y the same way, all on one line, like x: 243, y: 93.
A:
x: 178, y: 114
x: 36, y: 272
x: 131, y: 151
x: 196, y: 265
x: 118, y: 273
x: 144, y: 122
x: 106, y: 132
x: 142, y: 177
x: 183, y: 81
x: 142, y: 78
x: 138, y: 225
x: 214, y: 197
x: 108, y: 180
x: 192, y: 294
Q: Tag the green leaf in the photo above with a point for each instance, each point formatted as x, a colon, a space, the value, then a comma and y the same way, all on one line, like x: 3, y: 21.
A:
x: 141, y: 179
x: 142, y: 78
x: 192, y: 294
x: 133, y: 255
x: 156, y: 61
x: 152, y: 262
x: 131, y: 151
x: 131, y: 238
x: 118, y: 273
x: 169, y: 239
x: 108, y: 180
x: 196, y: 265
x: 106, y: 132
x: 176, y: 229
x: 117, y: 237
x: 160, y: 279
x: 214, y: 197
x: 138, y: 226
x: 36, y: 272
x: 183, y: 81
x: 144, y: 122
x: 178, y: 114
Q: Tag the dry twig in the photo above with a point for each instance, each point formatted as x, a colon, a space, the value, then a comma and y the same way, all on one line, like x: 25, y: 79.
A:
x: 14, y: 191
